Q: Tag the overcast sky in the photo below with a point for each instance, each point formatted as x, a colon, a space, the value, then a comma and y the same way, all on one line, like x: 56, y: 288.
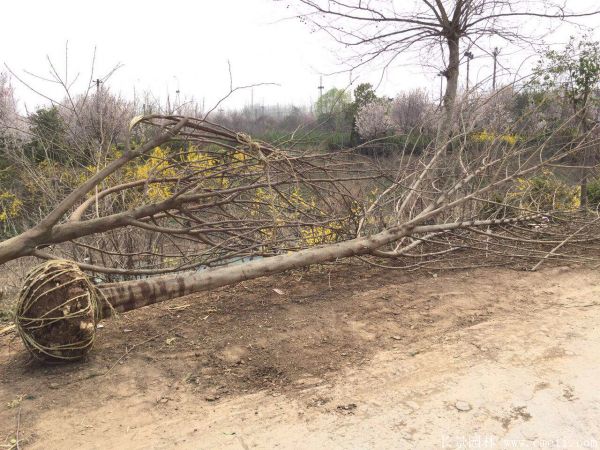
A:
x: 166, y: 46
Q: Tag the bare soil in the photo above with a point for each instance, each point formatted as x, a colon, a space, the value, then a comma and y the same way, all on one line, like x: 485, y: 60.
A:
x: 332, y: 357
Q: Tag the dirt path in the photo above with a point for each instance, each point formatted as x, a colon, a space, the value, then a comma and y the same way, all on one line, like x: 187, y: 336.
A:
x: 347, y: 359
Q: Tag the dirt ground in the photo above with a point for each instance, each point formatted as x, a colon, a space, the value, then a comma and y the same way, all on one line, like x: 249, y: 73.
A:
x: 344, y: 357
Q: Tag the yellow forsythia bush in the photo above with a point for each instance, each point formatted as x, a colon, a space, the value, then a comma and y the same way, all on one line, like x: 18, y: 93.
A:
x: 544, y: 192
x: 485, y: 136
x: 10, y: 206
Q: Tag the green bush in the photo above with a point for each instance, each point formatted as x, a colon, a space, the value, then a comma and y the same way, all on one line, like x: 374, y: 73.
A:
x: 593, y: 193
x: 544, y: 192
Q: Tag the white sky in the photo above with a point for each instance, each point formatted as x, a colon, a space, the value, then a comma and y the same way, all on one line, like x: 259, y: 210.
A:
x: 185, y: 45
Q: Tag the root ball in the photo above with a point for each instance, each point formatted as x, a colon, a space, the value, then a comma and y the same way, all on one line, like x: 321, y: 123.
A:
x: 57, y: 312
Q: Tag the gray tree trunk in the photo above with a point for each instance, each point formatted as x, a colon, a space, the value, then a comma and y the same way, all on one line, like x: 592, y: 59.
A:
x: 452, y: 72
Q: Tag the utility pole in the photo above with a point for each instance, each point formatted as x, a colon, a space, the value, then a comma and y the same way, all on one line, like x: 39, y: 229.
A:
x: 350, y: 84
x: 177, y: 100
x: 469, y: 57
x: 495, y: 53
x: 320, y: 88
x: 97, y: 82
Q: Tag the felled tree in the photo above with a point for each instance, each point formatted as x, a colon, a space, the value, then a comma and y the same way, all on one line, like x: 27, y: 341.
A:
x: 212, y: 207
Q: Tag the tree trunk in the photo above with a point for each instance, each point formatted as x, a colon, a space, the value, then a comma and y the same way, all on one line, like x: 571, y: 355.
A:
x: 451, y: 74
x: 129, y: 295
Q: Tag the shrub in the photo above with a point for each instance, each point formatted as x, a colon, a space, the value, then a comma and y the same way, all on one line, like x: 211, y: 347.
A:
x: 593, y: 193
x: 544, y: 192
x: 486, y: 137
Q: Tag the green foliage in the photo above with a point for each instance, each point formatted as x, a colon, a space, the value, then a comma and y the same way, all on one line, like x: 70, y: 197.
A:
x: 575, y: 70
x: 363, y: 95
x: 333, y: 102
x: 48, y: 136
x: 414, y: 143
x: 332, y: 110
x: 593, y: 193
x: 544, y: 192
x: 337, y: 140
x: 310, y: 139
x: 575, y: 74
x: 4, y: 161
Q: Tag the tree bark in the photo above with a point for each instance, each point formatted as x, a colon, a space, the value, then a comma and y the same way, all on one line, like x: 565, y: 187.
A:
x: 129, y: 295
x: 451, y: 74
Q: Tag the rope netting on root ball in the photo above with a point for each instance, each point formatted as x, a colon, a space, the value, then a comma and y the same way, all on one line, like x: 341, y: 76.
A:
x: 57, y: 312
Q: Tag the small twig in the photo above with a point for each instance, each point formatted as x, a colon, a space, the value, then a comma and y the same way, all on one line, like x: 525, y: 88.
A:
x: 18, y: 427
x: 567, y: 239
x: 129, y: 350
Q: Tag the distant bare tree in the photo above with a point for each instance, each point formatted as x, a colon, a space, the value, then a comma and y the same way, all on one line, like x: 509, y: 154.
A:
x: 410, y: 110
x: 374, y: 119
x: 97, y: 118
x: 408, y: 113
x: 9, y: 116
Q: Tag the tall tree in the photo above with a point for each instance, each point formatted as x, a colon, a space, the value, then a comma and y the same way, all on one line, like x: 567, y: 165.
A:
x: 9, y: 116
x: 363, y: 95
x: 384, y: 29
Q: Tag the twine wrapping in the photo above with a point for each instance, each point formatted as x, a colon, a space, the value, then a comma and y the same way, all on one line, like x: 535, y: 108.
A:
x: 57, y: 312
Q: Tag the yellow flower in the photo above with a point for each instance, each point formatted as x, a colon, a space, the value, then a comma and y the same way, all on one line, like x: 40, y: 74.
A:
x: 316, y: 235
x: 485, y: 136
x: 156, y: 166
x: 545, y: 192
x: 10, y: 206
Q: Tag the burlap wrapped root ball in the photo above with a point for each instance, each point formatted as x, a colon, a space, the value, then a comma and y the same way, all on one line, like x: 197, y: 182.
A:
x: 57, y: 312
